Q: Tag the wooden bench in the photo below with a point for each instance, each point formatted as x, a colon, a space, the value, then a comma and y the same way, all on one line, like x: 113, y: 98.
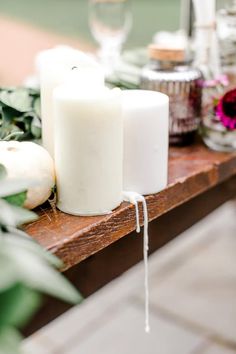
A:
x: 95, y: 250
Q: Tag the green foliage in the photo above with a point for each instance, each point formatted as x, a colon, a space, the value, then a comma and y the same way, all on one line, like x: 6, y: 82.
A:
x: 14, y: 216
x: 17, y: 304
x: 25, y: 268
x: 20, y: 114
x: 17, y: 199
x: 9, y: 340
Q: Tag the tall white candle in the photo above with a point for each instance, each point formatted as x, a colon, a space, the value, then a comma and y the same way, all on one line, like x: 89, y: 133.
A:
x: 146, y: 117
x: 53, y: 66
x: 88, y: 147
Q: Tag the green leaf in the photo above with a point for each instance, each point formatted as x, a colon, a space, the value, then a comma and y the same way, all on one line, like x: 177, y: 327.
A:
x: 3, y: 172
x: 9, y: 114
x: 17, y: 199
x: 5, y: 97
x: 13, y: 134
x: 36, y: 127
x: 19, y: 239
x: 17, y: 305
x: 14, y: 216
x: 8, y: 277
x: 35, y: 273
x: 19, y: 112
x: 10, y: 340
x: 11, y: 186
x: 18, y: 99
x: 17, y: 232
x: 27, y: 119
x: 8, y: 129
x: 31, y: 267
x: 37, y: 106
x: 35, y: 93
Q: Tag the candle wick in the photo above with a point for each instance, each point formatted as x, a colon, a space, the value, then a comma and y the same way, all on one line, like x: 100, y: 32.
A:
x: 74, y: 68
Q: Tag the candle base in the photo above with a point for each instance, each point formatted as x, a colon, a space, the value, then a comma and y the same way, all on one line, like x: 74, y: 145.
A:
x: 80, y: 213
x: 146, y: 191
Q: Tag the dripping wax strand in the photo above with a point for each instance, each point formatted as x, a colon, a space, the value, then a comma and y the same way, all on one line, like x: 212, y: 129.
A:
x: 137, y: 217
x: 145, y: 256
x: 134, y: 198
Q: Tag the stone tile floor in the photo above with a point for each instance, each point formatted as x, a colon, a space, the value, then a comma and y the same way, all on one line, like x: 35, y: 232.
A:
x: 193, y: 301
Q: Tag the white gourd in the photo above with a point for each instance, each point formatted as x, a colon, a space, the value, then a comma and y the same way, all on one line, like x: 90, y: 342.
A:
x: 27, y: 160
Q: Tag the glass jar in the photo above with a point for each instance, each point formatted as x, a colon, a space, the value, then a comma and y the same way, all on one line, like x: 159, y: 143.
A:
x: 226, y: 30
x: 169, y: 73
x: 217, y: 126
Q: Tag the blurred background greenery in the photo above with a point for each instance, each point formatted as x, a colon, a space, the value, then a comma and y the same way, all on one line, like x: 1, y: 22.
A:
x: 69, y: 17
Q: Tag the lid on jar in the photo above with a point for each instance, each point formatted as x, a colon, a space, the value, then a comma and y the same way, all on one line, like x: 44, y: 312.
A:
x: 161, y: 53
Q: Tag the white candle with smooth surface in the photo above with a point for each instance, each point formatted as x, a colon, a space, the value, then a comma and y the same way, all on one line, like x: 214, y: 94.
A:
x: 146, y: 122
x: 53, y: 66
x: 146, y: 117
x: 88, y: 148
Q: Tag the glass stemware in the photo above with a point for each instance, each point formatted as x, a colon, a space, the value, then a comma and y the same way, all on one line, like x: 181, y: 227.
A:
x: 110, y: 22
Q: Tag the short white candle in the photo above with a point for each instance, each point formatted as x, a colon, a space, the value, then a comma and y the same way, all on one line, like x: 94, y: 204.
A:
x: 88, y: 148
x: 146, y: 122
x: 53, y: 66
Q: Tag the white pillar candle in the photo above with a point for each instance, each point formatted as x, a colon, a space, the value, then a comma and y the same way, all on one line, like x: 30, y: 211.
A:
x: 146, y: 121
x: 53, y: 66
x: 88, y: 148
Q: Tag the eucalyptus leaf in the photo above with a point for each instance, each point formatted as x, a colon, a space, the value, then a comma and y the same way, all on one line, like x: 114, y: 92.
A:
x: 11, y: 186
x: 13, y: 135
x: 17, y: 305
x: 18, y: 99
x: 11, y: 230
x: 19, y: 239
x: 37, y: 106
x: 8, y: 276
x: 9, y: 114
x: 7, y: 215
x: 35, y: 273
x: 10, y: 341
x: 17, y: 199
x: 14, y: 216
x: 8, y: 129
x: 33, y: 92
x: 27, y: 122
x: 18, y: 107
x: 36, y: 127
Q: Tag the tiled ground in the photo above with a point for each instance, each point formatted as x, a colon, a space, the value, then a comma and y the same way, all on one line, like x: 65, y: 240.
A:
x: 193, y: 302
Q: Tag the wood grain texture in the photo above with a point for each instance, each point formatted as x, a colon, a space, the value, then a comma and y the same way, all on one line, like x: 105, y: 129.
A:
x: 192, y: 171
x: 96, y: 271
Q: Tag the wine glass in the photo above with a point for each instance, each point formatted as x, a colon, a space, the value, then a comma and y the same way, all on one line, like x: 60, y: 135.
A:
x: 110, y: 22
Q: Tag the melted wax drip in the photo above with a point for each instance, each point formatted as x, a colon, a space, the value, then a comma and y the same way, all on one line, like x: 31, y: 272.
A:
x: 134, y: 198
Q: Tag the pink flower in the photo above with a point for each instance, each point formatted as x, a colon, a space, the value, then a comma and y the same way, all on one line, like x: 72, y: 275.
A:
x: 226, y: 110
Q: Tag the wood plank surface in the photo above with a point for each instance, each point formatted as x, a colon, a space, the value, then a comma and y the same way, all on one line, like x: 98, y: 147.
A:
x: 98, y: 270
x: 192, y: 171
